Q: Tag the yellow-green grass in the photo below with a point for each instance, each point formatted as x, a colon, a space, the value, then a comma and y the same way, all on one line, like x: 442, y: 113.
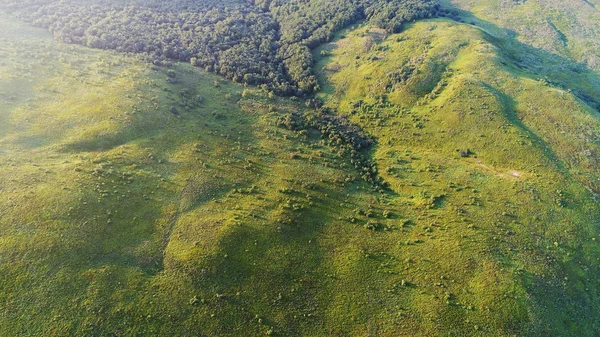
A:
x: 514, y: 222
x: 120, y: 217
x: 565, y: 28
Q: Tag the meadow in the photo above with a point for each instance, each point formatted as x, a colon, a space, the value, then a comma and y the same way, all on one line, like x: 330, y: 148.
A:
x: 140, y: 200
x: 498, y: 162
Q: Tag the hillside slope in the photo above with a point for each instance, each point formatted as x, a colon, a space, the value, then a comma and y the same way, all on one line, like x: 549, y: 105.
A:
x: 141, y: 200
x: 565, y: 28
x: 507, y: 160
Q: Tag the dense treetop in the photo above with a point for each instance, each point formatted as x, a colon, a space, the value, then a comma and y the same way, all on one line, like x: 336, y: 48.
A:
x: 262, y: 42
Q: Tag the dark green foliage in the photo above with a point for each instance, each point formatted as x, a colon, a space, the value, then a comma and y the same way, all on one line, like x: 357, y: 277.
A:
x: 260, y: 42
x: 390, y: 15
x: 347, y: 138
x: 292, y: 121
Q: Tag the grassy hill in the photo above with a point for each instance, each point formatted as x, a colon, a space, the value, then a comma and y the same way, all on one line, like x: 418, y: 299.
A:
x: 565, y: 28
x: 143, y: 201
x: 497, y: 161
x: 139, y: 200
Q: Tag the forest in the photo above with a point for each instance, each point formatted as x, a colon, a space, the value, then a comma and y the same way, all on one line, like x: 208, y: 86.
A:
x: 259, y: 42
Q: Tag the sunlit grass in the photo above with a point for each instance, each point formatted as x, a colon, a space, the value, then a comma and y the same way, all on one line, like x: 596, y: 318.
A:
x: 135, y: 206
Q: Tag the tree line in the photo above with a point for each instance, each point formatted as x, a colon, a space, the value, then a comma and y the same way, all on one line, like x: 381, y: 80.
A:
x: 257, y: 42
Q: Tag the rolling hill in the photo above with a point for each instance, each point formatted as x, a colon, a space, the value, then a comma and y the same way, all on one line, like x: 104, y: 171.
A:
x: 441, y: 181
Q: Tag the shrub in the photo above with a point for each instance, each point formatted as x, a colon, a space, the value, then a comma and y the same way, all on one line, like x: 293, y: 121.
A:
x: 464, y: 152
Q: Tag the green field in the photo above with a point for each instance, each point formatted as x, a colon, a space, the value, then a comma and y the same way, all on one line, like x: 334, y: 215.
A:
x: 517, y: 199
x: 151, y: 201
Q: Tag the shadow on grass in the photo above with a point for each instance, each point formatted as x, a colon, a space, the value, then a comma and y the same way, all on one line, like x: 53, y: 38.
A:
x: 558, y: 306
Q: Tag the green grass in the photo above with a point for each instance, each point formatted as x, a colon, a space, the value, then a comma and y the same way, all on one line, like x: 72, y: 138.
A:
x: 120, y: 217
x: 519, y: 207
x: 565, y: 28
